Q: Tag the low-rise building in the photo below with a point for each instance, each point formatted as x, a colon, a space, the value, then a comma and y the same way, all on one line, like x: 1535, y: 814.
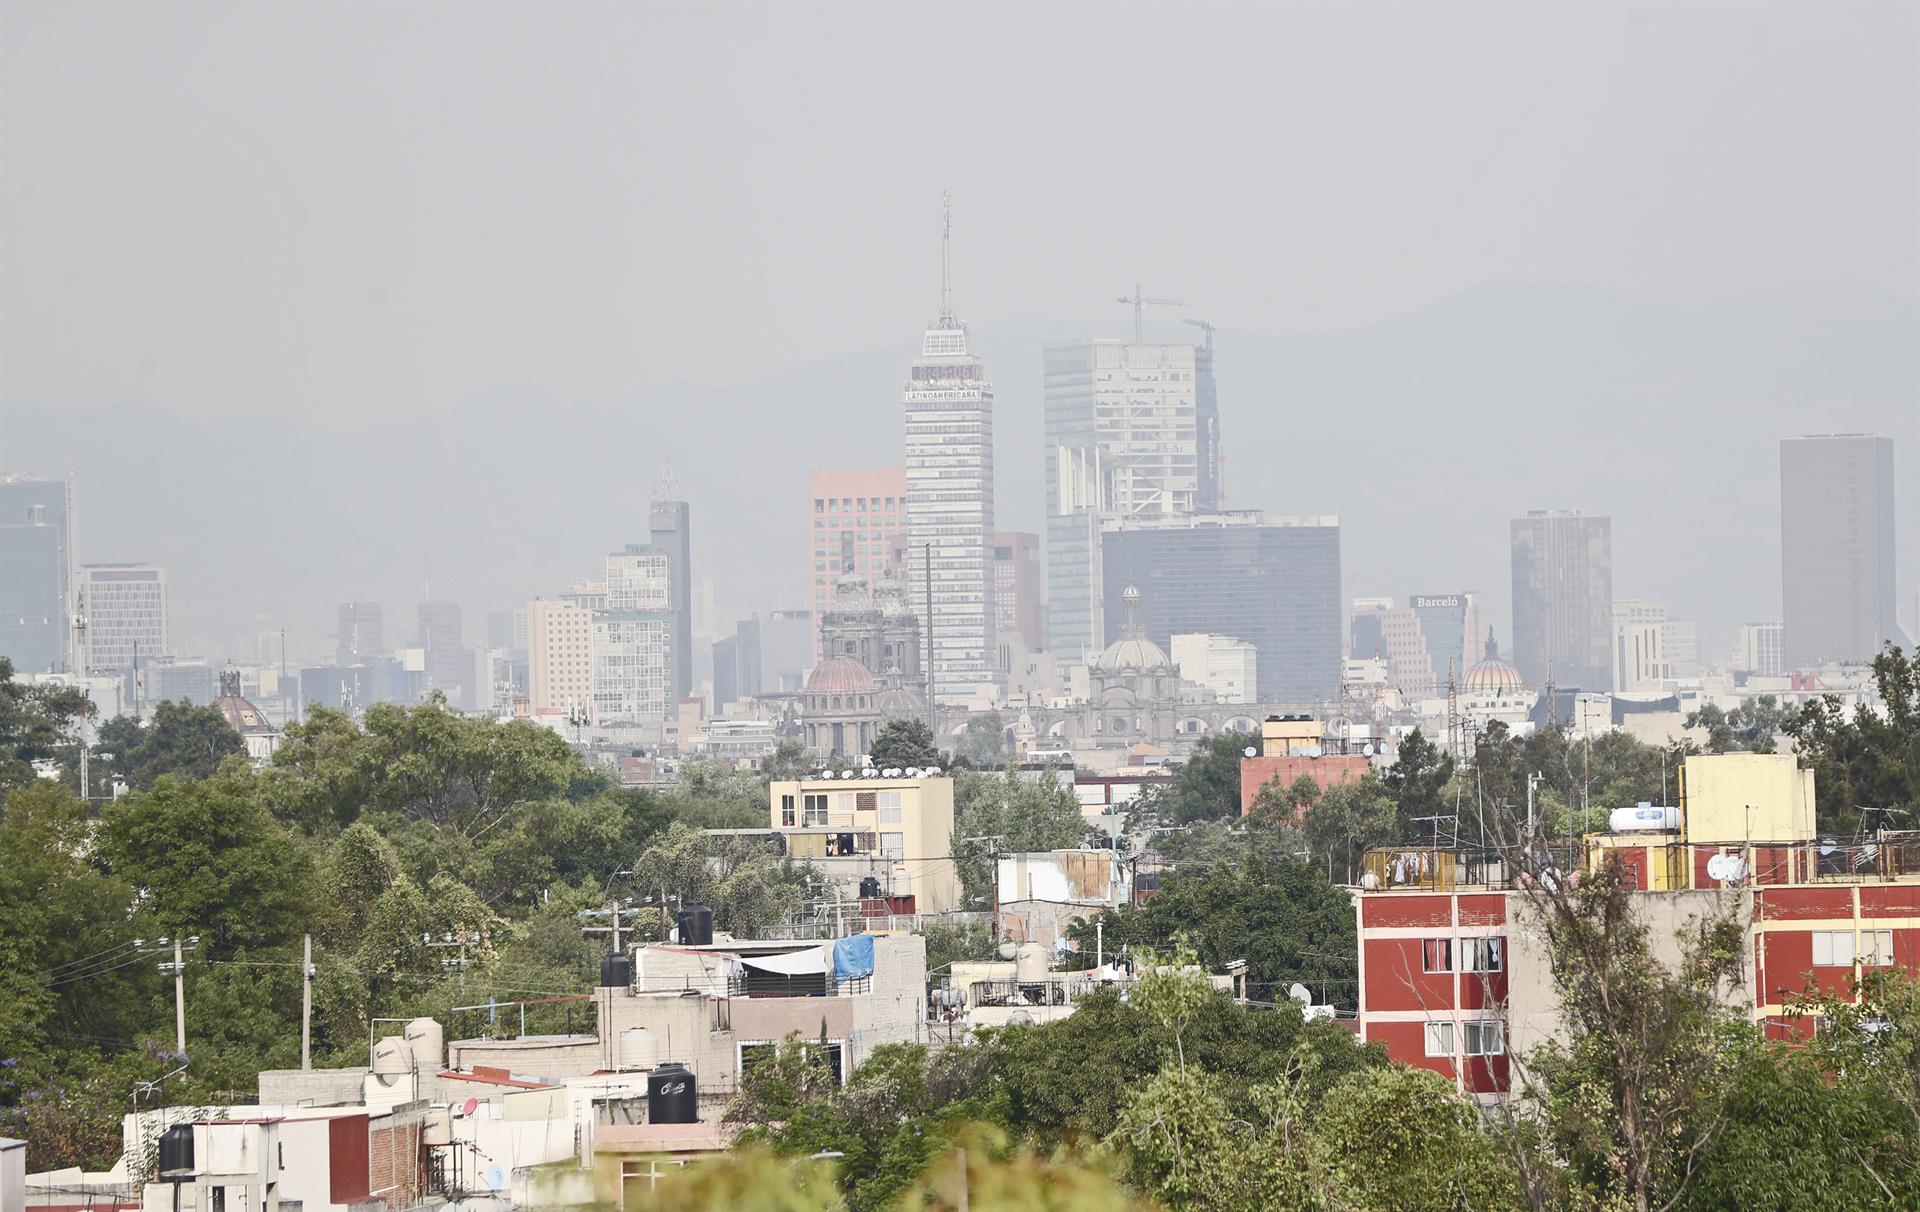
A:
x: 1296, y: 745
x: 1455, y: 978
x: 874, y: 833
x: 1043, y: 893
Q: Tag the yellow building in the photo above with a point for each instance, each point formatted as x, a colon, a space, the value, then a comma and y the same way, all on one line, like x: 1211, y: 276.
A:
x: 892, y: 828
x: 1746, y: 797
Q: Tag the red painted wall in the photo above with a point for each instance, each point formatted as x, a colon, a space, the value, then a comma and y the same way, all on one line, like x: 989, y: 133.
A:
x: 1407, y: 1043
x: 1402, y: 909
x: 1396, y: 980
x: 1328, y: 771
x: 1801, y: 904
x: 347, y: 1159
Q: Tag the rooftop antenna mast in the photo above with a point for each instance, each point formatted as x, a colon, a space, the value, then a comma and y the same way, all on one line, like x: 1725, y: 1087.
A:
x: 946, y: 256
x: 1140, y: 303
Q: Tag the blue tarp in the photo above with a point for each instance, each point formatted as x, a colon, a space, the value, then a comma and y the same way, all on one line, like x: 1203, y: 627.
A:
x: 853, y: 957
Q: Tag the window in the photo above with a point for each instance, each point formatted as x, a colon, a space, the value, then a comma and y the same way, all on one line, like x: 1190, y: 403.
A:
x: 893, y: 845
x: 1436, y: 955
x: 846, y: 799
x: 816, y: 810
x: 1480, y: 954
x: 889, y: 807
x: 1833, y: 948
x: 1440, y: 1039
x: 1876, y: 948
x: 786, y: 810
x: 1485, y: 1037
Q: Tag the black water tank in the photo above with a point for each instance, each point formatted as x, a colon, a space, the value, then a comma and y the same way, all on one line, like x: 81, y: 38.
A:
x: 671, y: 1097
x: 869, y: 887
x: 616, y: 971
x: 176, y: 1152
x: 696, y: 925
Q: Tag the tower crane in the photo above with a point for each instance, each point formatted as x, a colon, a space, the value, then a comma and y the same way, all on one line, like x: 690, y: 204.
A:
x: 1207, y: 326
x: 1140, y: 302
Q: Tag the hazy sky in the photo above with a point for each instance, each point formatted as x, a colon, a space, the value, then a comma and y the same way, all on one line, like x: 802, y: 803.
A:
x: 351, y: 211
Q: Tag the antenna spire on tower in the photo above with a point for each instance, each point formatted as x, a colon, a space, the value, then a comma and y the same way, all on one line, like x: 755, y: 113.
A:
x: 946, y: 255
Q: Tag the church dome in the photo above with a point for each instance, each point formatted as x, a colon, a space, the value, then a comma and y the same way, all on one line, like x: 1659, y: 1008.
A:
x: 900, y: 702
x: 840, y: 675
x: 1490, y: 674
x: 1133, y: 650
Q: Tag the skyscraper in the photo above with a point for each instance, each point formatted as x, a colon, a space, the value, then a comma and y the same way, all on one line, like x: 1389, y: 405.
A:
x: 1563, y: 598
x: 949, y: 440
x: 559, y: 659
x: 633, y: 639
x: 1272, y: 582
x: 673, y: 538
x: 1836, y: 547
x: 1016, y: 589
x: 1125, y: 438
x: 125, y: 607
x: 854, y: 516
x: 449, y: 664
x: 361, y: 634
x: 36, y: 574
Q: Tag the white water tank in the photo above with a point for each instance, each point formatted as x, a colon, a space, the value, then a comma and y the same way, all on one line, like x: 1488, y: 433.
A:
x: 639, y: 1049
x: 1030, y: 963
x: 428, y: 1042
x: 392, y: 1056
x: 1644, y: 818
x: 437, y: 1128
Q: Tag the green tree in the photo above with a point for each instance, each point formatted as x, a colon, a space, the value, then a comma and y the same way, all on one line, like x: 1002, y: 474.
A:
x: 35, y: 722
x: 1418, y: 778
x: 983, y: 742
x: 1869, y: 760
x: 1350, y: 819
x: 69, y: 977
x: 181, y: 739
x: 789, y: 760
x: 748, y: 888
x: 1752, y: 726
x: 1285, y: 805
x: 1207, y: 787
x: 904, y: 743
x: 1024, y: 811
x: 1394, y: 1137
x: 1632, y: 1092
x: 207, y: 858
x: 1280, y: 915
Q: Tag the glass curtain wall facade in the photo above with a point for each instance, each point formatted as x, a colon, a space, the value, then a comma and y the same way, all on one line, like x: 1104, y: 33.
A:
x: 1125, y: 441
x: 1563, y: 599
x: 1274, y: 583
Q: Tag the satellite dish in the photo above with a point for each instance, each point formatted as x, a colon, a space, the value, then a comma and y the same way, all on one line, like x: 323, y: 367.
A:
x: 913, y: 772
x: 931, y: 771
x: 1314, y: 751
x: 1299, y: 993
x: 496, y: 1177
x: 1250, y: 751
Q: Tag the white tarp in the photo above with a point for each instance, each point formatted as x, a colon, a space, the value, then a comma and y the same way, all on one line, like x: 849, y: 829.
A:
x: 793, y: 963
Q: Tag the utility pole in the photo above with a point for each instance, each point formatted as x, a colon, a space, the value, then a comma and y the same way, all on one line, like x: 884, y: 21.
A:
x: 306, y: 1002
x: 461, y: 940
x: 178, y: 970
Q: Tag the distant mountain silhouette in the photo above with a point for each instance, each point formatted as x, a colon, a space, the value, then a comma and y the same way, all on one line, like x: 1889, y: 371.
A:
x: 1425, y: 433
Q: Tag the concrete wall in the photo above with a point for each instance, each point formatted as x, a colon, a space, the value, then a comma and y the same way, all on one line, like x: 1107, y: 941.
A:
x: 1533, y: 1004
x: 311, y: 1087
x: 547, y: 1056
x: 1736, y: 797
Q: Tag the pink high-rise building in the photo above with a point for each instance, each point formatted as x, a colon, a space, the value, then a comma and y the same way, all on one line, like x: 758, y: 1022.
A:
x: 856, y: 516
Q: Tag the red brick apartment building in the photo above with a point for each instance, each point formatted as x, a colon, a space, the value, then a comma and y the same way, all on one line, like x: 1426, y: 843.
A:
x: 1452, y: 980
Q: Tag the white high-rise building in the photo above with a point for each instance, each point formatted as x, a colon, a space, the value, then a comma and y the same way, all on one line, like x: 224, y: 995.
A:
x: 1222, y: 664
x: 1131, y: 434
x: 949, y: 420
x: 125, y: 610
x: 1640, y: 660
x: 1758, y: 649
x: 633, y: 639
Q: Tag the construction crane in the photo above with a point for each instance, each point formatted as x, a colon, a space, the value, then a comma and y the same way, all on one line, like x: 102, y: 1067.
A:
x: 1140, y: 303
x: 1206, y: 326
